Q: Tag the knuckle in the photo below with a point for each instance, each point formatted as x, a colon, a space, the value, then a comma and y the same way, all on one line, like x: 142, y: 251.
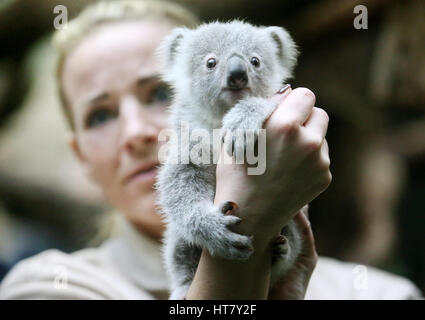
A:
x: 326, y: 163
x: 288, y: 128
x: 323, y: 114
x: 327, y: 179
x: 324, y: 181
x: 314, y: 145
x: 306, y: 93
x: 308, y: 225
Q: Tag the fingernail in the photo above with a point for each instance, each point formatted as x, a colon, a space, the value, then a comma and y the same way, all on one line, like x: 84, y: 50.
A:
x: 284, y: 88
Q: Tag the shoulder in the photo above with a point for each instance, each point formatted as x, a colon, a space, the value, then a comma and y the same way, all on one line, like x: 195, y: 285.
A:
x: 333, y: 279
x: 52, y: 274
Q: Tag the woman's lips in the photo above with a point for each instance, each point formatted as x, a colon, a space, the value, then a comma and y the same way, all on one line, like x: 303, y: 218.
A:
x: 146, y: 174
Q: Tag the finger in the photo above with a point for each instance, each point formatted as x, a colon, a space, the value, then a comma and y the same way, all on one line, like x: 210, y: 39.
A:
x: 317, y: 123
x: 325, y: 151
x: 302, y: 221
x: 224, y: 157
x: 326, y: 159
x: 304, y: 226
x: 282, y: 94
x: 296, y: 107
x: 304, y: 210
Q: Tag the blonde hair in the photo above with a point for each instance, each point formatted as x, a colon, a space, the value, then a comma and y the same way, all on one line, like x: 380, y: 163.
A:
x: 102, y: 12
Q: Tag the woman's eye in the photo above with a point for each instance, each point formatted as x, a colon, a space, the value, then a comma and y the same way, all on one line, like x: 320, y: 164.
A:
x: 161, y: 95
x: 100, y: 116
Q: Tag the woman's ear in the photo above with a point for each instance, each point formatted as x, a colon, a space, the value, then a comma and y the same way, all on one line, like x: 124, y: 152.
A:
x: 75, y: 148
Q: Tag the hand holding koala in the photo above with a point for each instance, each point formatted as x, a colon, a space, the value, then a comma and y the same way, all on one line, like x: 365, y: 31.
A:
x: 297, y: 163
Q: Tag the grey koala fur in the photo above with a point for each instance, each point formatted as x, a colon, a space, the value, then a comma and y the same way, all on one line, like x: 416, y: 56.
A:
x: 202, y: 98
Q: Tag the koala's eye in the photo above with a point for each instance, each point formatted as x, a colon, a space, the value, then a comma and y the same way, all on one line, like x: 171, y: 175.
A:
x: 211, y: 62
x: 255, y: 62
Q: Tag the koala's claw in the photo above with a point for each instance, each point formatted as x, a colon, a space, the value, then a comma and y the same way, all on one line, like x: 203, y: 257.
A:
x: 228, y: 244
x: 280, y: 248
x: 231, y: 221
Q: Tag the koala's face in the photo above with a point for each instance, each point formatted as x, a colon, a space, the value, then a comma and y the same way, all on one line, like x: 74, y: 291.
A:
x: 220, y: 63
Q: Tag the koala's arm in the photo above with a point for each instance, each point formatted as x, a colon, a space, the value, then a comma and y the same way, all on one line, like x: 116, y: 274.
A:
x: 248, y: 115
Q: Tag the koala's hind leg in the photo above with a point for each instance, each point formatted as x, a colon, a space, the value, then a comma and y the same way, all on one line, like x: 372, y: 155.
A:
x: 181, y: 261
x: 186, y: 194
x: 286, y: 249
x: 280, y: 248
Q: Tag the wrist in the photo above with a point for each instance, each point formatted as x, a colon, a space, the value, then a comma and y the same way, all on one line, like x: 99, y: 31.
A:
x: 250, y: 225
x: 218, y: 278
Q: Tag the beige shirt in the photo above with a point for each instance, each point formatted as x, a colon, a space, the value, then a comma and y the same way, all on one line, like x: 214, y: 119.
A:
x: 129, y: 266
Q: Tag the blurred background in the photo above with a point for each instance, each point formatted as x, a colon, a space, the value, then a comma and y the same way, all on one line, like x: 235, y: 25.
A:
x: 370, y: 81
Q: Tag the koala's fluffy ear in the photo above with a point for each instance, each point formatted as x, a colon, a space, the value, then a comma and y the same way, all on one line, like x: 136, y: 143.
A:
x: 287, y: 49
x: 169, y: 49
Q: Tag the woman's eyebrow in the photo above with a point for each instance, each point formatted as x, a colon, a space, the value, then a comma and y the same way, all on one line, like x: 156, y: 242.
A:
x: 144, y: 80
x: 86, y: 104
x: 99, y: 97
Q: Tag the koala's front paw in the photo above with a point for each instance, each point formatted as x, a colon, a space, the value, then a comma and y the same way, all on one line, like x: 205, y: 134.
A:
x: 225, y: 243
x: 280, y: 258
x: 242, y: 124
x: 239, y: 141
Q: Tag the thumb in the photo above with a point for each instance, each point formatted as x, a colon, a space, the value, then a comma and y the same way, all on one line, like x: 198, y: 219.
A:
x: 283, y: 92
x: 308, y: 249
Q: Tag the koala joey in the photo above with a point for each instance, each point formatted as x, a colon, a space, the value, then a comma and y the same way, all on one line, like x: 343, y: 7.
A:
x: 221, y: 75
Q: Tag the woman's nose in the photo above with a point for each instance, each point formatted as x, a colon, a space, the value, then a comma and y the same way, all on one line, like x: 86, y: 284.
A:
x: 139, y: 132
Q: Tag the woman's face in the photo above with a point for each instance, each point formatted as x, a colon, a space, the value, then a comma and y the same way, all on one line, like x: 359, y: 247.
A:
x: 119, y: 107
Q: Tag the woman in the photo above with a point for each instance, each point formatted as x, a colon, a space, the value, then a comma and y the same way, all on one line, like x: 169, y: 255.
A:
x: 116, y: 106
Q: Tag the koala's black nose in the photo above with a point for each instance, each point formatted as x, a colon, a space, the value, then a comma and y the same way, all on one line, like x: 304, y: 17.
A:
x: 237, y: 75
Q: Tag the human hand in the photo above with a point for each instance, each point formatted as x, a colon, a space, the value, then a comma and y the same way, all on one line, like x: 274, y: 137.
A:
x: 297, y: 171
x: 297, y: 167
x: 293, y: 285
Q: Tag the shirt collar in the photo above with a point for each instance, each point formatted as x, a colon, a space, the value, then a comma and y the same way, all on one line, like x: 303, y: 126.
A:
x: 139, y: 257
